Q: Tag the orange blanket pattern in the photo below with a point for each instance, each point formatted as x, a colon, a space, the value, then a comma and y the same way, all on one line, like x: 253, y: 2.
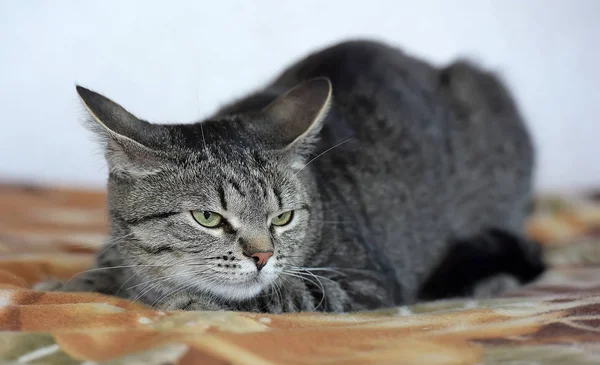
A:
x: 47, y: 233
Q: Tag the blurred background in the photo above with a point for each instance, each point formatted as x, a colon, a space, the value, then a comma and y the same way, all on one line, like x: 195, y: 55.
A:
x: 179, y: 61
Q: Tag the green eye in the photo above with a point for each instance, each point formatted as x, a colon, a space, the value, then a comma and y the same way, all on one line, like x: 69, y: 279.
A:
x: 207, y: 219
x: 283, y: 218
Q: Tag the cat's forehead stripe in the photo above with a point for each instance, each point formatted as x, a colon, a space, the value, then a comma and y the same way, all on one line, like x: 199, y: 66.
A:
x: 222, y: 197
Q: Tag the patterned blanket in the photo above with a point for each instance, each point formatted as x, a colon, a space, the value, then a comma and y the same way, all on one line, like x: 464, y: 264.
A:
x: 54, y: 233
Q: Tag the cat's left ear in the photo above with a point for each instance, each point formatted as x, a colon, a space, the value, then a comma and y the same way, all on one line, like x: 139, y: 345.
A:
x: 295, y: 118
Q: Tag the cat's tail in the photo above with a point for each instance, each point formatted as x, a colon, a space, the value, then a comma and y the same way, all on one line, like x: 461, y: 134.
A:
x: 492, y: 254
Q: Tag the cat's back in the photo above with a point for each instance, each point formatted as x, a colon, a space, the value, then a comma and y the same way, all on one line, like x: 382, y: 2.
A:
x: 385, y: 105
x: 369, y: 77
x: 410, y: 156
x: 434, y: 153
x: 418, y: 128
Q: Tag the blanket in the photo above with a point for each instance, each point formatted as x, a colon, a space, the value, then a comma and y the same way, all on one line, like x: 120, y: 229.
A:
x: 53, y: 233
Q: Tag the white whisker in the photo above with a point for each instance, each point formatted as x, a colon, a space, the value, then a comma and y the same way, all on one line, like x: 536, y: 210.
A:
x: 302, y: 277
x: 321, y: 154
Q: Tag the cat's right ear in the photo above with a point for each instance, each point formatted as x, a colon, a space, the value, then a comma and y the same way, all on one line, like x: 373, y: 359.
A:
x: 128, y: 140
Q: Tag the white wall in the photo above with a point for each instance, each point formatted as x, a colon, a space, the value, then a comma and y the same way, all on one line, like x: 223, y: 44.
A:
x: 178, y: 62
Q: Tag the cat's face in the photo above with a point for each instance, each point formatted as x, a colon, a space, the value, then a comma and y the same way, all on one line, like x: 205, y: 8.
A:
x: 226, y: 228
x: 221, y: 207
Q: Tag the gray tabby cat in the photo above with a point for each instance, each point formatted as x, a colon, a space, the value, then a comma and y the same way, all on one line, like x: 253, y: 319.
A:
x: 360, y: 178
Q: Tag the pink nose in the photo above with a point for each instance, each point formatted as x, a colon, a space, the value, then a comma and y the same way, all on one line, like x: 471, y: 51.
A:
x: 260, y: 258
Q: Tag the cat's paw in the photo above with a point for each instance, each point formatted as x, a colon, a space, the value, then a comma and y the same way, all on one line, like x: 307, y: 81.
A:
x: 73, y: 285
x: 495, y: 285
x: 49, y: 285
x: 189, y: 303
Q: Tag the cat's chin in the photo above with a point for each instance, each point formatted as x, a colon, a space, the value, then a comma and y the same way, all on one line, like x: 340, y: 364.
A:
x: 237, y: 292
x: 240, y: 290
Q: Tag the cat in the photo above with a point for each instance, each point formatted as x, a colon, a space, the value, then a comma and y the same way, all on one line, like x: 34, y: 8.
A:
x: 360, y: 178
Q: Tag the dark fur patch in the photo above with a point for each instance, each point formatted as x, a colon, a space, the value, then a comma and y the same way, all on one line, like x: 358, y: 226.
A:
x: 222, y: 197
x: 471, y: 260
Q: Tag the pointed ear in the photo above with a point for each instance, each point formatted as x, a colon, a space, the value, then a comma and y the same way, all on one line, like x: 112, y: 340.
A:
x: 128, y: 140
x: 295, y: 118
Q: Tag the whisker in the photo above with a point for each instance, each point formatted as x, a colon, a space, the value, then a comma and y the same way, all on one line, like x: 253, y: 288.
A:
x: 184, y: 286
x: 159, y: 279
x: 333, y: 269
x: 178, y: 289
x: 116, y: 240
x: 334, y: 222
x: 326, y: 269
x: 152, y: 284
x: 322, y: 286
x: 175, y: 291
x: 279, y: 294
x: 201, y: 127
x: 318, y: 283
x: 289, y: 256
x: 321, y: 154
x: 123, y: 284
x: 129, y: 266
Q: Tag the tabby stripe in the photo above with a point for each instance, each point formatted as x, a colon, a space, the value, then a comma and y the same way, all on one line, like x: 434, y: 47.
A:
x: 152, y: 250
x: 277, y: 193
x: 263, y: 190
x: 140, y: 220
x: 222, y: 197
x: 237, y: 187
x: 157, y: 250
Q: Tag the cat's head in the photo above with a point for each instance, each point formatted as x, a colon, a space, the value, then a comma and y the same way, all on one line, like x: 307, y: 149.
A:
x: 221, y: 206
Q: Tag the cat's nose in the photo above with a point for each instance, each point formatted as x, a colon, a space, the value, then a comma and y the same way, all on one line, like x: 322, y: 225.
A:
x: 260, y: 258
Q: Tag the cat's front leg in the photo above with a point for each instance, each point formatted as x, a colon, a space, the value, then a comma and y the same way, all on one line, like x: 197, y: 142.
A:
x: 82, y: 283
x: 191, y: 302
x: 487, y: 264
x: 49, y: 285
x: 286, y: 295
x: 301, y: 293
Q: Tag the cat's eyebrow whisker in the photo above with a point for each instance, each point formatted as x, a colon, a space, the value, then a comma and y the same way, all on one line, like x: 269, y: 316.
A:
x: 321, y: 154
x: 201, y: 126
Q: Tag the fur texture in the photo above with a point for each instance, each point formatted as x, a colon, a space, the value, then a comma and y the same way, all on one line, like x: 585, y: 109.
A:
x: 385, y: 161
